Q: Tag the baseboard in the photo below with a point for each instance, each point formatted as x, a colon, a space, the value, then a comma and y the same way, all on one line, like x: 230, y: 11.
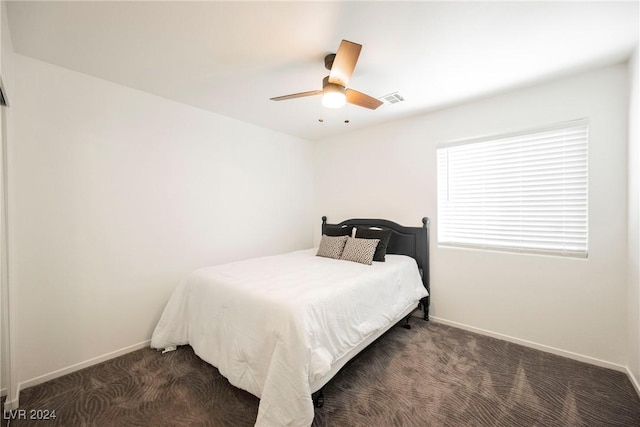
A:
x: 85, y: 364
x: 537, y: 346
x: 634, y: 381
x: 12, y: 404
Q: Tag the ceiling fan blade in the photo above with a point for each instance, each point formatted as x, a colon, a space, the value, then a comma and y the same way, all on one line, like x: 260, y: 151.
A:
x: 344, y: 63
x: 296, y: 95
x: 362, y: 100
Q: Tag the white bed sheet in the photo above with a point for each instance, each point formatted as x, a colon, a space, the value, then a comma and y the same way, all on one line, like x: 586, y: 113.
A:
x: 273, y: 325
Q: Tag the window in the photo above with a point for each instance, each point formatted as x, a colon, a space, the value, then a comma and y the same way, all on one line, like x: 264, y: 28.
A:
x: 524, y: 192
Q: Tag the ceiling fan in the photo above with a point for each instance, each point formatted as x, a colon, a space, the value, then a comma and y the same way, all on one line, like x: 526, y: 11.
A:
x: 334, y: 92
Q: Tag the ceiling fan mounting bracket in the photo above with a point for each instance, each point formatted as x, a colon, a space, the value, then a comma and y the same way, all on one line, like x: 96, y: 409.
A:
x: 328, y: 61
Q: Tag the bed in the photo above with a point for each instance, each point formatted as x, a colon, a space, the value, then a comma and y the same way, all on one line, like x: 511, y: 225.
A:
x: 280, y: 327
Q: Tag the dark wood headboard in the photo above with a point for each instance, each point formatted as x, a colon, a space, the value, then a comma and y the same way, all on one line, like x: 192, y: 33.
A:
x: 410, y: 241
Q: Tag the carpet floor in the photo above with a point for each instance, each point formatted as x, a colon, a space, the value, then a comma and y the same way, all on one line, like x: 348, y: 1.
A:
x: 431, y: 375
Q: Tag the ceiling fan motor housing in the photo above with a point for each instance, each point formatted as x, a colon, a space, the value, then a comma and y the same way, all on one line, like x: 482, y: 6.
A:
x: 331, y: 87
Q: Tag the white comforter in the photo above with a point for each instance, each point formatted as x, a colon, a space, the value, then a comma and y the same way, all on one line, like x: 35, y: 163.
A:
x: 273, y: 325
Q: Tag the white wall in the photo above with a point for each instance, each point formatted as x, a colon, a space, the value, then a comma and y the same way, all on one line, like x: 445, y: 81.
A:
x: 575, y: 307
x: 115, y: 195
x: 7, y: 376
x: 634, y: 223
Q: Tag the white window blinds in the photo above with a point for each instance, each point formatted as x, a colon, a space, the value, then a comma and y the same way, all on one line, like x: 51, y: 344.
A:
x: 523, y: 192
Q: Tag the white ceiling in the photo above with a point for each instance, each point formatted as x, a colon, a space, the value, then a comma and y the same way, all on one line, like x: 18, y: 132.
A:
x: 231, y: 57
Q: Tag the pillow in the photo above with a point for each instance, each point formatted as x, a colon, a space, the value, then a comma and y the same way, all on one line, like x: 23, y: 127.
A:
x: 331, y: 246
x: 382, y: 235
x: 334, y: 230
x: 359, y: 250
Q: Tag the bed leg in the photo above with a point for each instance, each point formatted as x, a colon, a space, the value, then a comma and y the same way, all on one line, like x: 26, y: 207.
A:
x: 318, y: 398
x: 424, y: 302
x: 406, y: 324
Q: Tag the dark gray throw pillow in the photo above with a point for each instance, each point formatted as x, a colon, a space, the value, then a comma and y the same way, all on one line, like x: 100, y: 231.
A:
x: 334, y: 230
x: 382, y: 235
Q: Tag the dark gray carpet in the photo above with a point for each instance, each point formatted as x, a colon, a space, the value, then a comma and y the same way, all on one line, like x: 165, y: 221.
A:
x: 432, y: 375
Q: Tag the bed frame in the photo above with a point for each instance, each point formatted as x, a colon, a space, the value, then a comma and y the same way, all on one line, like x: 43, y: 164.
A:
x: 410, y: 241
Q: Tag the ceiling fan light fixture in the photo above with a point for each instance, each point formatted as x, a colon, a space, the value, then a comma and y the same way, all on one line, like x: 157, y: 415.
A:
x: 334, y: 96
